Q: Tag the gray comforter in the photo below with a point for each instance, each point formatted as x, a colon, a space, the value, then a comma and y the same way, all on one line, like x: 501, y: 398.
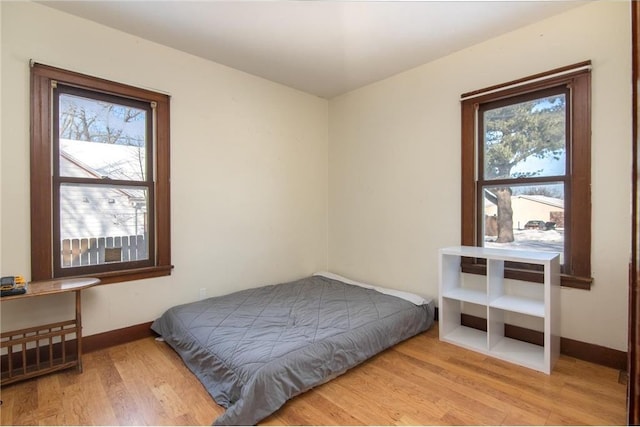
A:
x: 255, y: 349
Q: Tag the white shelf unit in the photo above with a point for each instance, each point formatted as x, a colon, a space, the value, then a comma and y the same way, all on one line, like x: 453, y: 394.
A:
x: 498, y: 301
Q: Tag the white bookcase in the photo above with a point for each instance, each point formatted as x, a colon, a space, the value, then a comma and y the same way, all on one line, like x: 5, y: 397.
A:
x: 499, y: 301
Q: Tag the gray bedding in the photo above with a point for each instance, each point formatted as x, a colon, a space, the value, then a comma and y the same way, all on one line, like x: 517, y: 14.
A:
x: 255, y: 349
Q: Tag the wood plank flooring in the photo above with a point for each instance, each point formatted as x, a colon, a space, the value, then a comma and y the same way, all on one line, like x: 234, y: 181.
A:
x: 421, y: 381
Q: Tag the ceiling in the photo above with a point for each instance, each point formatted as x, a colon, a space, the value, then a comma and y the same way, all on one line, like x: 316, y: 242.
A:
x: 325, y: 48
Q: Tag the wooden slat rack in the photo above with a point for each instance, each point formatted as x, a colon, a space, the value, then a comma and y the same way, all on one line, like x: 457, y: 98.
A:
x: 42, y: 349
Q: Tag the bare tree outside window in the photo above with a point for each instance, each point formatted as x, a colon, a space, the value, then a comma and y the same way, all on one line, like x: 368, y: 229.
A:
x: 85, y: 120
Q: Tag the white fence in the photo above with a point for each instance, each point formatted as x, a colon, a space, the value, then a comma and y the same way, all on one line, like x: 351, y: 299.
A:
x: 91, y: 250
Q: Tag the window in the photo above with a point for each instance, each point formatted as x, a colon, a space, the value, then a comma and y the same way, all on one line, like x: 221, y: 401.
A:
x: 99, y: 178
x: 526, y: 171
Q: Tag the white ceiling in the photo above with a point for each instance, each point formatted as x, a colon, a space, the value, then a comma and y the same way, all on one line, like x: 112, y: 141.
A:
x: 325, y: 48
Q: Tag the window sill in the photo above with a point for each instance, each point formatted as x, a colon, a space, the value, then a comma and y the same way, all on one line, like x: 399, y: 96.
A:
x: 566, y: 280
x: 133, y: 274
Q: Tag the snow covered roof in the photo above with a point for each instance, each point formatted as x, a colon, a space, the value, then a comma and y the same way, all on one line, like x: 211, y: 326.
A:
x: 115, y: 161
x: 551, y: 201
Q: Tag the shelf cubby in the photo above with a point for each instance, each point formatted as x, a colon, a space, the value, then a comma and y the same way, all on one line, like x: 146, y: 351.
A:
x: 497, y: 301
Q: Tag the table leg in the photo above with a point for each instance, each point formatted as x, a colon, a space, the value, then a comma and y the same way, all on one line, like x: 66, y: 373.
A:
x: 79, y: 329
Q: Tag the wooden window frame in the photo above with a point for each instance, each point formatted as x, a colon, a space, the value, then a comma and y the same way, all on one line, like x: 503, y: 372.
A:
x: 43, y: 190
x: 576, y: 270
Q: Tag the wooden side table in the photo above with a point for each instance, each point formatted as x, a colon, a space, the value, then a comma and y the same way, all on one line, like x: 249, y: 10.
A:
x: 39, y: 350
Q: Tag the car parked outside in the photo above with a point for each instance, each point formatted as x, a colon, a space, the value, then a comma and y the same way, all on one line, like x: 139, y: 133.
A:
x: 535, y: 225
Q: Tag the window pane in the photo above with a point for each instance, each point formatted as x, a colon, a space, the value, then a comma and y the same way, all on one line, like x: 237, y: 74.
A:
x: 100, y: 139
x: 100, y: 224
x: 526, y: 139
x: 537, y: 221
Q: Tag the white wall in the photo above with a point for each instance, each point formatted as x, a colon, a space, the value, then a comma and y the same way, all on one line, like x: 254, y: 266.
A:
x: 254, y: 163
x: 394, y: 162
x: 248, y: 168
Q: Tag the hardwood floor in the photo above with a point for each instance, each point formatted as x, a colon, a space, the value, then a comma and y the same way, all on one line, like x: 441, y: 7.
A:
x: 421, y: 381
